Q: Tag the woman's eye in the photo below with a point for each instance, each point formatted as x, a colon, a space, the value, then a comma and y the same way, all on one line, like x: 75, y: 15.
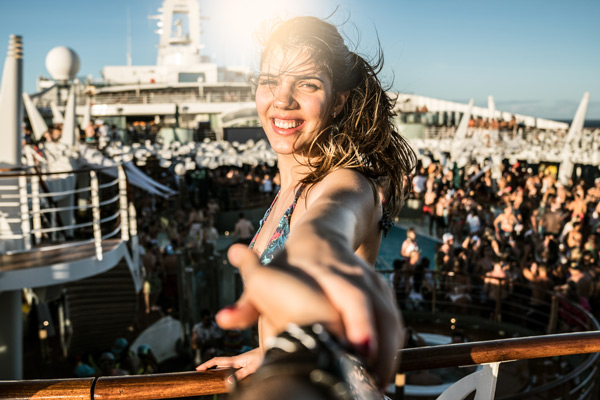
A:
x: 309, y: 85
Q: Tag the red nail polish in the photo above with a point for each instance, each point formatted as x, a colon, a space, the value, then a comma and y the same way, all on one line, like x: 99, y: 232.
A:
x: 364, y: 348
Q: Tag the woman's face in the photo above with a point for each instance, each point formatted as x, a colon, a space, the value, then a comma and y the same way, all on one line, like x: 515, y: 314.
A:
x: 294, y: 99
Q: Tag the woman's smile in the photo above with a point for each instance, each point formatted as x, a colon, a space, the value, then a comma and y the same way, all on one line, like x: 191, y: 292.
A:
x: 284, y: 126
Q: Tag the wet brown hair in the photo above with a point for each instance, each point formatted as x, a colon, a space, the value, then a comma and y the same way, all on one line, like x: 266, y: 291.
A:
x: 362, y: 136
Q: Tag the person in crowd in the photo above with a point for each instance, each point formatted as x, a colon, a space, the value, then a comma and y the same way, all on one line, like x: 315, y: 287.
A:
x: 505, y: 223
x: 328, y: 118
x: 244, y: 230
x: 107, y: 365
x: 445, y: 255
x: 55, y: 133
x: 410, y: 244
x: 429, y: 201
x: 148, y: 362
x: 540, y: 283
x: 207, y: 337
x: 210, y: 237
x: 496, y: 285
x: 153, y: 276
x: 124, y: 357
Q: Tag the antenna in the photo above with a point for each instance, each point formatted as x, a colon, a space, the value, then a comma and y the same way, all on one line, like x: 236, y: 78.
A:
x: 128, y: 38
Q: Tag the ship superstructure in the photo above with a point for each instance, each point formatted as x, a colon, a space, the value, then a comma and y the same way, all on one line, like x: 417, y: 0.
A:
x: 184, y: 88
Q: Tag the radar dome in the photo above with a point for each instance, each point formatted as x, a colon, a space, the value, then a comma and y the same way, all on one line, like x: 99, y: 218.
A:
x: 62, y: 63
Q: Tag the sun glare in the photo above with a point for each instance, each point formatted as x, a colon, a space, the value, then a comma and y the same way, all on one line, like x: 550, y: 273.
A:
x: 242, y: 19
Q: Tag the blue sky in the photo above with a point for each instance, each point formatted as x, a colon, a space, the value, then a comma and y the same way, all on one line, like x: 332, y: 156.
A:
x: 535, y: 57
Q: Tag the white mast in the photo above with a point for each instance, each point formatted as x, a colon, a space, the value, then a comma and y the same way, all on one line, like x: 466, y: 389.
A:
x: 572, y: 141
x: 11, y: 117
x: 458, y: 143
x: 38, y: 124
x: 178, y: 46
x: 11, y: 104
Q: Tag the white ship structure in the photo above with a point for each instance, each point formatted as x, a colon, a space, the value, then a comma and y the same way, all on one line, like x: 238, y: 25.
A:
x: 193, y: 99
x: 205, y: 113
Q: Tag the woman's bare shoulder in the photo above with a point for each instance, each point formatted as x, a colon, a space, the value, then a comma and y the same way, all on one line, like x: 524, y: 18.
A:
x: 348, y: 179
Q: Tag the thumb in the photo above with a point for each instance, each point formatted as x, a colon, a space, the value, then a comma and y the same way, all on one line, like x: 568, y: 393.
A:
x: 243, y: 313
x: 240, y: 315
x: 243, y: 258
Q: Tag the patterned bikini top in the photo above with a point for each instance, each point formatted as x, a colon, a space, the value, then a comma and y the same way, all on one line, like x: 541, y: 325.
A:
x: 279, y: 237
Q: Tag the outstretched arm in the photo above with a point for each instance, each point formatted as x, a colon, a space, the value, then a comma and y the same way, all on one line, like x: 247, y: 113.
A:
x: 323, y: 279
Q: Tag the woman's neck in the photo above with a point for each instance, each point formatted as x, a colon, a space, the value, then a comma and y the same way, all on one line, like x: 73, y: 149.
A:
x: 292, y: 170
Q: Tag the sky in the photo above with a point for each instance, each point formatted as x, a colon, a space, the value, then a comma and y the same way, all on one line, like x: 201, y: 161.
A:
x: 535, y: 57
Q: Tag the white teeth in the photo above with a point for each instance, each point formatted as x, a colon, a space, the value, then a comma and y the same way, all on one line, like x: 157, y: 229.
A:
x: 286, y: 123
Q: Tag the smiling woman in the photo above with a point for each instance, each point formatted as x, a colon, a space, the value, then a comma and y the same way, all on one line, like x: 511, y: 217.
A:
x: 343, y: 169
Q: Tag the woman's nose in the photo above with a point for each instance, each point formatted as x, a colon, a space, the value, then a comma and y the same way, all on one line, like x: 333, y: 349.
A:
x: 284, y: 97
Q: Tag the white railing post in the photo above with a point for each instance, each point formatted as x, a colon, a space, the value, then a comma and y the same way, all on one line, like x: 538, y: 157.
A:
x: 95, y: 197
x: 24, y: 203
x: 35, y: 208
x: 135, y: 243
x: 483, y: 382
x: 123, y: 203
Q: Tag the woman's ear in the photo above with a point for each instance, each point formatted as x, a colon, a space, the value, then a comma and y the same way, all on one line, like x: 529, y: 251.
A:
x: 340, y: 100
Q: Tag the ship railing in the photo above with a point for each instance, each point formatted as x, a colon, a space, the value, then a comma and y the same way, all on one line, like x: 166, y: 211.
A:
x: 496, y: 308
x: 160, y: 98
x: 488, y: 354
x: 103, y: 211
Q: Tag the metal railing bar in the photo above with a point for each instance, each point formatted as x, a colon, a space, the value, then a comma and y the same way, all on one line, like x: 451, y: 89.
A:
x: 61, y: 228
x: 113, y: 233
x: 49, y: 194
x: 110, y: 218
x: 16, y: 172
x: 66, y: 208
x: 109, y: 201
x: 108, y: 184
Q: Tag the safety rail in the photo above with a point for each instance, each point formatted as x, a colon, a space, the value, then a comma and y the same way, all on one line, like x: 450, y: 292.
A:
x: 34, y: 202
x: 511, y: 301
x: 506, y: 308
x: 170, y: 98
x: 187, y: 384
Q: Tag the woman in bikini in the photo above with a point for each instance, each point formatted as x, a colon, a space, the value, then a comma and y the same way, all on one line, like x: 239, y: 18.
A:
x: 340, y: 157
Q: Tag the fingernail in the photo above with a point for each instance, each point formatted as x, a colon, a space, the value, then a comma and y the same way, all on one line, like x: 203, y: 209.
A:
x: 364, y: 348
x: 231, y: 382
x: 225, y: 310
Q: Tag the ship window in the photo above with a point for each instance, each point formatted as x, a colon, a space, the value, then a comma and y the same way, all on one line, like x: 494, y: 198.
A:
x: 192, y: 77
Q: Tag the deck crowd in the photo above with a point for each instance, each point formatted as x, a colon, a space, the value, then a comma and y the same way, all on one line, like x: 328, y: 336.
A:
x: 523, y: 228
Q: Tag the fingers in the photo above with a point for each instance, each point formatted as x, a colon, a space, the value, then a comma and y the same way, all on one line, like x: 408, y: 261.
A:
x: 241, y: 315
x: 244, y: 372
x: 356, y: 312
x: 243, y: 258
x: 226, y: 362
x: 391, y: 337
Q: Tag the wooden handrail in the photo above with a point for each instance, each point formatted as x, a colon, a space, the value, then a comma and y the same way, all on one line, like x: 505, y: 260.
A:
x: 160, y: 386
x: 462, y: 354
x: 185, y: 384
x: 80, y: 388
x: 134, y: 387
